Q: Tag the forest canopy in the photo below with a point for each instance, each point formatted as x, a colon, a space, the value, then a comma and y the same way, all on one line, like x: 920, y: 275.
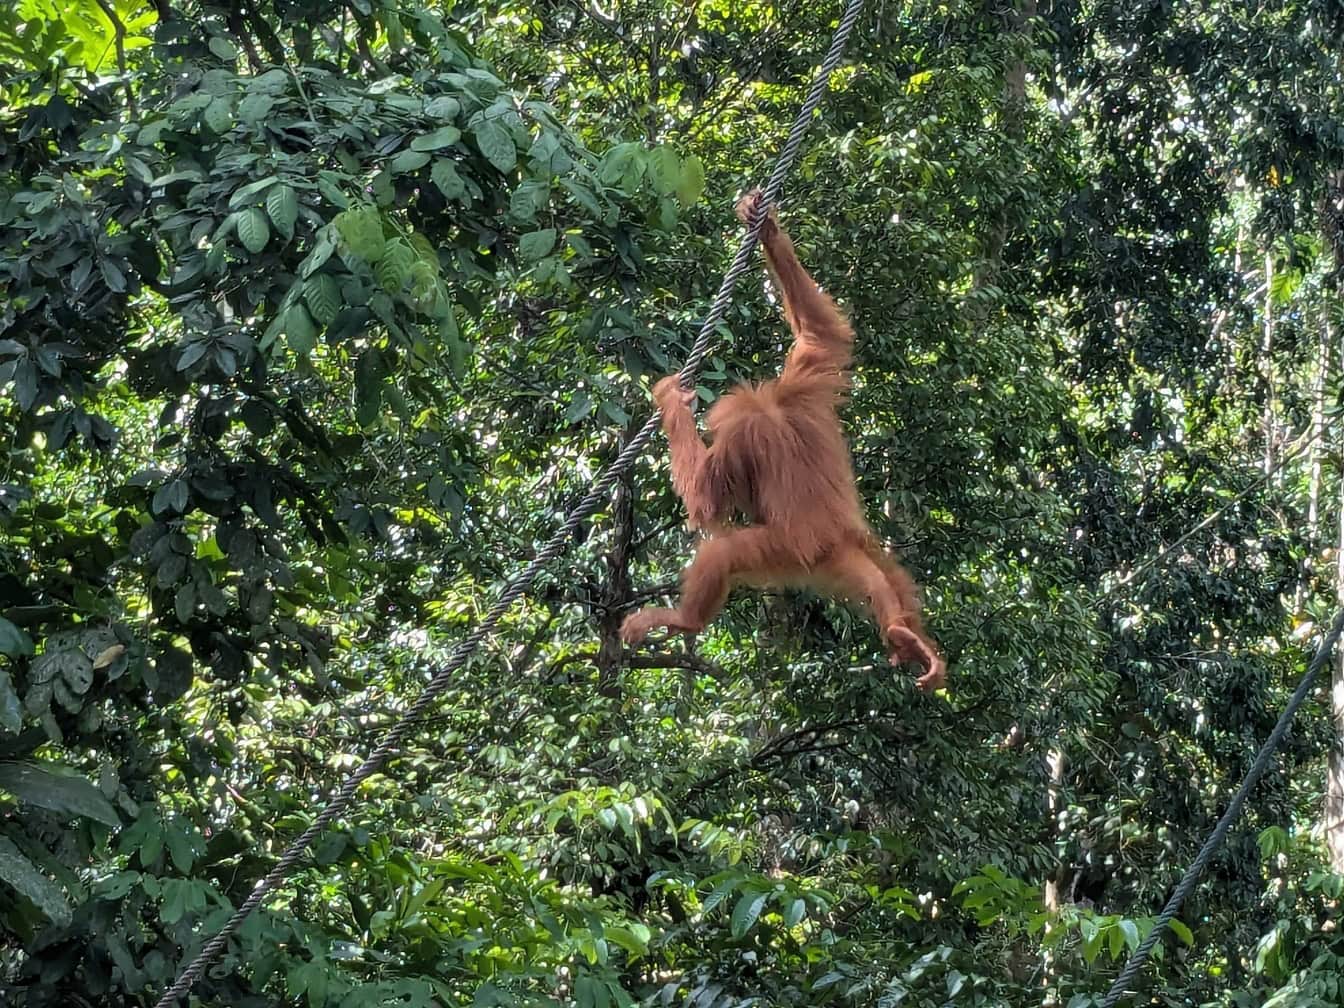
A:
x: 316, y: 319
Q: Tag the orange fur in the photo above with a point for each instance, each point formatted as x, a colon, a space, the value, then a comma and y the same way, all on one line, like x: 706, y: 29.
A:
x: 778, y: 457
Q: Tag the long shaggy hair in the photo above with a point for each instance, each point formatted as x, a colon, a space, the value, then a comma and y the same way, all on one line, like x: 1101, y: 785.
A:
x: 778, y: 458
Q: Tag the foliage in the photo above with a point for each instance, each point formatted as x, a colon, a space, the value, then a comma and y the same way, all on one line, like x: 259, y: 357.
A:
x: 314, y: 320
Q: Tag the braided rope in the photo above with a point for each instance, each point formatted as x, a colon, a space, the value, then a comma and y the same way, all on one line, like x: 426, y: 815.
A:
x: 522, y: 582
x: 1192, y: 874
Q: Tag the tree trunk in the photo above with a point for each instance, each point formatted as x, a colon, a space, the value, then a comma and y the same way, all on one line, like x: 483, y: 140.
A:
x: 1315, y: 473
x: 1267, y: 365
x: 1334, y: 775
x: 1012, y: 125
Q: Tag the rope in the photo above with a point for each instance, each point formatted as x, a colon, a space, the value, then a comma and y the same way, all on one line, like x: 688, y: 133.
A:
x: 1192, y: 875
x: 522, y: 582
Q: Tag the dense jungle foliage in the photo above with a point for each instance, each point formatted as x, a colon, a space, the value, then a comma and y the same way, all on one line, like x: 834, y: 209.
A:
x: 317, y: 316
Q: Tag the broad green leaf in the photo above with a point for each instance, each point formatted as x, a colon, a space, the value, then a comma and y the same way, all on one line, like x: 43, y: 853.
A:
x: 443, y: 107
x: 320, y: 253
x: 745, y: 913
x: 223, y: 48
x: 253, y: 231
x: 282, y: 204
x: 333, y: 186
x: 394, y: 268
x: 300, y: 333
x: 444, y: 136
x: 1182, y: 932
x: 245, y: 194
x: 665, y: 169
x: 408, y: 161
x: 537, y: 244
x: 180, y: 898
x: 23, y: 877
x: 692, y: 182
x: 361, y: 228
x: 171, y: 498
x: 445, y: 176
x: 112, y: 275
x: 218, y: 116
x: 180, y: 847
x: 494, y: 141
x: 322, y: 295
x: 190, y: 354
x: 13, y: 641
x: 57, y: 790
x: 626, y: 939
x: 254, y: 108
x: 11, y: 707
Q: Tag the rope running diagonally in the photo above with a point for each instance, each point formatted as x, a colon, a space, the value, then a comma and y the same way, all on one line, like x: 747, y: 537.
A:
x: 402, y: 730
x: 1192, y: 874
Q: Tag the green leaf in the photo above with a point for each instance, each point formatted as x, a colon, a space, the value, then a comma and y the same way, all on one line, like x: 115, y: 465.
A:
x: 244, y: 194
x: 537, y: 244
x: 1182, y: 932
x: 283, y: 206
x: 254, y: 108
x: 13, y: 641
x: 329, y: 184
x: 745, y: 913
x: 408, y: 161
x: 394, y: 267
x: 253, y: 231
x: 322, y: 295
x: 180, y: 847
x: 361, y: 228
x: 180, y: 898
x: 112, y: 275
x: 321, y: 252
x: 494, y: 141
x: 11, y: 708
x: 1092, y: 942
x: 794, y: 912
x: 218, y: 116
x: 171, y: 498
x: 692, y: 182
x: 1131, y: 932
x: 665, y: 169
x: 626, y: 939
x: 223, y: 48
x: 54, y: 788
x: 445, y: 176
x: 444, y: 136
x: 300, y: 333
x: 443, y: 107
x: 190, y: 354
x: 23, y: 877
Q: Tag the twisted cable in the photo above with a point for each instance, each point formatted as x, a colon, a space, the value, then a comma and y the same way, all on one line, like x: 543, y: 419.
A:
x: 1192, y: 874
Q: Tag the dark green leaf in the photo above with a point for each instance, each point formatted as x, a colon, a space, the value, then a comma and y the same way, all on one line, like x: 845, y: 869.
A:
x: 54, y: 788
x: 494, y: 141
x: 745, y: 913
x: 21, y: 875
x: 444, y: 136
x: 282, y: 204
x: 253, y: 231
x: 537, y: 244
